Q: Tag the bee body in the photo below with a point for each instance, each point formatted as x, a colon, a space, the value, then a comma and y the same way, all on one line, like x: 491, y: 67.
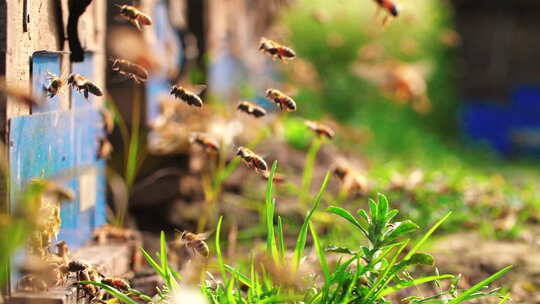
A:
x: 389, y: 6
x: 186, y: 96
x: 55, y: 85
x: 132, y: 70
x: 284, y: 102
x: 135, y: 16
x: 276, y: 50
x: 252, y: 160
x: 278, y: 178
x: 195, y: 242
x: 251, y: 109
x: 117, y: 283
x: 209, y: 144
x: 81, y: 83
x: 105, y: 148
x: 320, y: 129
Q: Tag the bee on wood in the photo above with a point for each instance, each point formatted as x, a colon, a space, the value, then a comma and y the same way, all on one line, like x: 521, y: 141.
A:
x: 135, y: 16
x: 129, y: 69
x: 90, y: 290
x: 56, y: 84
x: 276, y: 50
x: 190, y: 97
x: 105, y: 148
x: 389, y: 7
x: 284, y: 102
x: 210, y: 145
x: 195, y: 242
x: 74, y: 266
x: 278, y: 178
x: 320, y: 129
x: 251, y: 109
x: 32, y: 283
x: 251, y: 159
x: 117, y: 283
x: 81, y: 83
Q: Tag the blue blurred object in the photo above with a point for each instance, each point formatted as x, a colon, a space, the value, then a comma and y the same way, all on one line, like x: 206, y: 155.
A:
x: 513, y: 129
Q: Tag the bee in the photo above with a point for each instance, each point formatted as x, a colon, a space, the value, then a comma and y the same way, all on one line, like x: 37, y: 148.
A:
x: 132, y: 70
x: 352, y: 180
x: 251, y: 159
x: 117, y: 283
x: 32, y: 283
x: 276, y: 50
x: 108, y: 120
x: 320, y: 129
x: 389, y: 6
x: 74, y: 266
x: 134, y: 16
x: 88, y: 274
x: 81, y: 83
x: 278, y: 178
x: 284, y: 102
x: 209, y: 144
x: 195, y: 242
x: 189, y: 97
x: 56, y: 84
x: 56, y: 190
x: 251, y: 109
x: 105, y: 148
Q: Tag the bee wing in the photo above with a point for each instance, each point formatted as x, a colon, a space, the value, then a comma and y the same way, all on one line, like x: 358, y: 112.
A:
x: 145, y: 19
x: 94, y: 89
x: 203, y: 236
x: 198, y: 89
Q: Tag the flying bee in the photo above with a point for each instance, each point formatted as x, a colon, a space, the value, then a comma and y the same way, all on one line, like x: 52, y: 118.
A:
x: 210, y: 145
x: 389, y: 6
x: 320, y: 129
x: 132, y: 70
x: 195, y: 242
x: 105, y: 148
x: 278, y: 178
x: 81, y: 83
x: 190, y: 97
x: 135, y: 16
x: 251, y: 109
x: 117, y: 283
x: 276, y: 50
x: 56, y: 84
x: 284, y: 102
x: 251, y: 159
x: 108, y: 120
x: 352, y: 180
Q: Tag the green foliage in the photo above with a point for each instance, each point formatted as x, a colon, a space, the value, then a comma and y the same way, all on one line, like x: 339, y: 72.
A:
x: 369, y: 273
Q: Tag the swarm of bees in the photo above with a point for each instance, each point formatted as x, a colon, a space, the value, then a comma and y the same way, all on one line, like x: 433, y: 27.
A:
x: 129, y: 69
x: 135, y: 16
x: 81, y: 83
x: 276, y: 50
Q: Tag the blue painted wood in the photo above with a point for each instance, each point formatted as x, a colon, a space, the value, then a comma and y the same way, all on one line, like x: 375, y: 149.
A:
x: 43, y: 62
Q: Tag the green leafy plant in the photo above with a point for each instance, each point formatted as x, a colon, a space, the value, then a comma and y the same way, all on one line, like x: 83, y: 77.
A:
x: 371, y: 273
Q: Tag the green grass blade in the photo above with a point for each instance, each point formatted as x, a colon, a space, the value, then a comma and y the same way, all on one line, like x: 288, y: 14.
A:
x: 307, y: 175
x: 281, y: 239
x: 505, y: 299
x: 113, y: 291
x: 347, y: 216
x: 320, y: 253
x: 241, y: 277
x: 426, y: 236
x: 480, y: 285
x: 270, y: 203
x: 153, y: 263
x: 302, y: 235
x: 163, y: 257
x: 415, y: 282
x: 218, y: 251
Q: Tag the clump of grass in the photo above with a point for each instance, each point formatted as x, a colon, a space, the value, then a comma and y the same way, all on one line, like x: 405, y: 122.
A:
x: 367, y: 274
